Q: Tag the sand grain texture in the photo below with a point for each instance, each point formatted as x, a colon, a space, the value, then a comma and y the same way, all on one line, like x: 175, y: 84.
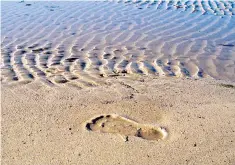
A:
x: 44, y: 125
x: 118, y: 82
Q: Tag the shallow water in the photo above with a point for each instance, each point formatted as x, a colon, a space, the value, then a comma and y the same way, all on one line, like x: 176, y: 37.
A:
x: 59, y: 42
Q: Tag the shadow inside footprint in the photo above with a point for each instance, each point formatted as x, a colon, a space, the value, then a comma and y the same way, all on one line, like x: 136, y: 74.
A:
x: 123, y: 126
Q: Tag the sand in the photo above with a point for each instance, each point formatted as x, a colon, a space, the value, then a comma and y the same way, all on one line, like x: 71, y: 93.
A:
x: 58, y: 42
x: 118, y: 82
x: 43, y: 125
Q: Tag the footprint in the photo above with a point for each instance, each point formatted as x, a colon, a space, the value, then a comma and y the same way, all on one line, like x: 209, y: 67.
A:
x: 120, y: 125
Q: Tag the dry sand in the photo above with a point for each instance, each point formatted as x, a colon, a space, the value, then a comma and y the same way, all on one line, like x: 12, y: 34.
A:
x: 126, y: 82
x: 44, y: 125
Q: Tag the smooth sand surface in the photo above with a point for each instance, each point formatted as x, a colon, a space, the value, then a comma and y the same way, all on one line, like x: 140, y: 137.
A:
x: 122, y: 82
x: 44, y: 125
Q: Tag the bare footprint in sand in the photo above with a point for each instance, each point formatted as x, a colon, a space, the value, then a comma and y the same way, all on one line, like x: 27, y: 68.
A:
x: 123, y: 126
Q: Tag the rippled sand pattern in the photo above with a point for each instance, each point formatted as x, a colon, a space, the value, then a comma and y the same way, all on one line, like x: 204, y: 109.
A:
x: 214, y: 7
x: 61, y: 42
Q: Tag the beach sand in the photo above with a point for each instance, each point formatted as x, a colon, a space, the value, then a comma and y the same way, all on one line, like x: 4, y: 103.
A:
x: 43, y: 125
x: 122, y: 82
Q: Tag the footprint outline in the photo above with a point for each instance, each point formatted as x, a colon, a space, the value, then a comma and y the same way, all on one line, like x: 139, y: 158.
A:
x: 117, y: 124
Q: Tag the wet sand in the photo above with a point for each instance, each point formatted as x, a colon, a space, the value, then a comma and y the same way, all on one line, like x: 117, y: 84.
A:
x: 60, y: 42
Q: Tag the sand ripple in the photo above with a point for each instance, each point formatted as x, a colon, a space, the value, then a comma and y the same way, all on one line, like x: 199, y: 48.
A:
x: 80, y: 42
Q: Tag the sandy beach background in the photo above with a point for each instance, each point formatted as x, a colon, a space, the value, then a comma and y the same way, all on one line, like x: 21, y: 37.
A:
x: 118, y: 82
